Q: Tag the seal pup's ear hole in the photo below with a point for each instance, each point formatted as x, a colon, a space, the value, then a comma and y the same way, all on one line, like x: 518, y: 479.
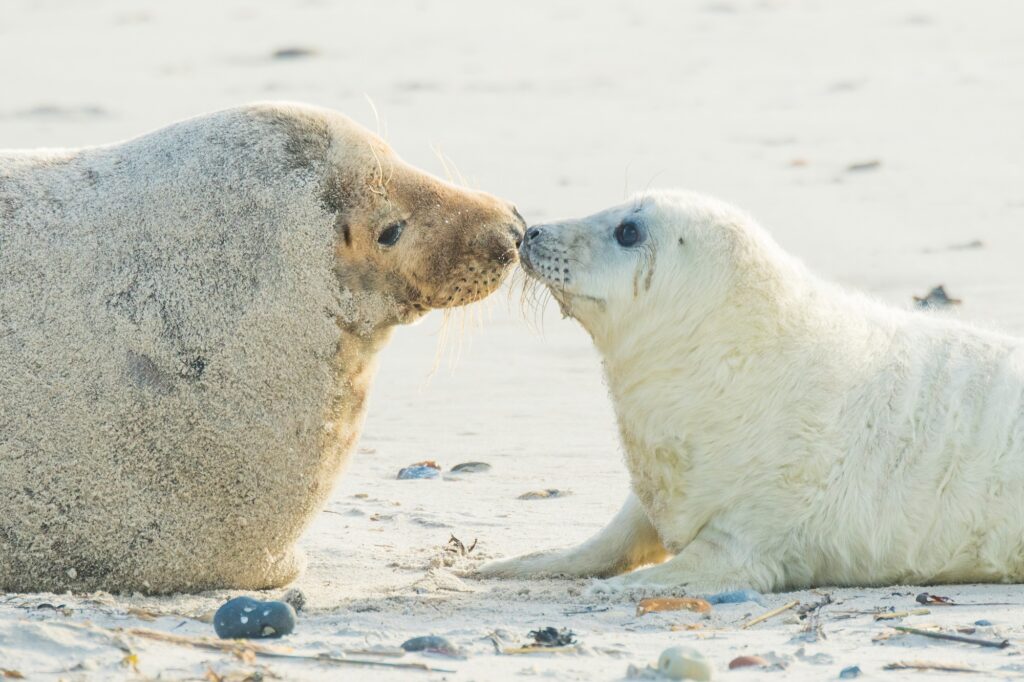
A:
x: 390, y: 235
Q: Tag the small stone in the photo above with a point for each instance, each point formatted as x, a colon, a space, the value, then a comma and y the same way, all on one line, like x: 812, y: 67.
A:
x: 684, y: 663
x: 849, y: 673
x: 936, y: 298
x: 860, y: 166
x: 294, y: 53
x: 295, y: 598
x: 983, y: 623
x: 247, y: 618
x: 471, y: 468
x: 543, y: 494
x: 417, y: 471
x: 431, y: 644
x: 746, y: 662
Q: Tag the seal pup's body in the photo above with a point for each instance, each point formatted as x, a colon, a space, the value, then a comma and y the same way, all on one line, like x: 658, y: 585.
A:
x: 188, y: 329
x: 780, y: 432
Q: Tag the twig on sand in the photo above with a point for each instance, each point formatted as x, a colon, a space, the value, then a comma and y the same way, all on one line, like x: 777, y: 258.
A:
x: 893, y: 615
x: 769, y: 614
x: 534, y: 649
x: 928, y: 665
x: 245, y: 649
x: 993, y: 643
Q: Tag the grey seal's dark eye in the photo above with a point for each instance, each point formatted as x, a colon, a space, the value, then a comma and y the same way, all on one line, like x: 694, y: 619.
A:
x: 391, y: 233
x: 627, y: 234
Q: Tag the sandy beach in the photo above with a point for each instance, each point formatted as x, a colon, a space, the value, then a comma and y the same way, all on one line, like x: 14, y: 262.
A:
x: 878, y: 141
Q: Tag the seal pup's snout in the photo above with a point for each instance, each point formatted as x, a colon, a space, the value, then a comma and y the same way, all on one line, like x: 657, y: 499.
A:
x: 530, y: 239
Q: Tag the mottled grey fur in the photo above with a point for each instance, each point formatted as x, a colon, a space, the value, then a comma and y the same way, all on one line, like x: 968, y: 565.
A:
x: 179, y: 379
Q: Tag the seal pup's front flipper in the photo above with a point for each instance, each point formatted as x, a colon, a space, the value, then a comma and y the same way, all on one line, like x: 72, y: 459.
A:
x: 627, y: 542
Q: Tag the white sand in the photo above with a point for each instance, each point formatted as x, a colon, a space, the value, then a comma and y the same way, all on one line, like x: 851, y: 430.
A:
x: 562, y: 107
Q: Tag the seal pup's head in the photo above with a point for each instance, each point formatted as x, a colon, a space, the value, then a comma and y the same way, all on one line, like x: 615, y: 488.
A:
x: 661, y: 259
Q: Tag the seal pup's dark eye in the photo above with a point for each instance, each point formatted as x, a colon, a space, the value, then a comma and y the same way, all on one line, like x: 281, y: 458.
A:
x: 627, y: 234
x: 391, y: 233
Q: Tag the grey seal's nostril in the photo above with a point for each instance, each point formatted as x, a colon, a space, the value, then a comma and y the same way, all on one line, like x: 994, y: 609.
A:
x: 516, y: 233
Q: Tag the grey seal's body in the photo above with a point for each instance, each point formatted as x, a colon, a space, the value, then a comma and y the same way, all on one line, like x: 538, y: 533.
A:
x: 188, y: 329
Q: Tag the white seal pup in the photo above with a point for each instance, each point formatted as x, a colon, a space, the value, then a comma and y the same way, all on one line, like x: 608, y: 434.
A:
x: 780, y: 432
x: 188, y: 328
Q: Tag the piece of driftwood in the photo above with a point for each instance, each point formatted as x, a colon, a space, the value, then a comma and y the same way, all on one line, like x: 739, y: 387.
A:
x: 769, y: 614
x: 993, y: 643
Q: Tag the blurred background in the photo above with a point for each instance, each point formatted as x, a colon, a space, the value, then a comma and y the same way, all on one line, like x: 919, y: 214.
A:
x: 879, y: 140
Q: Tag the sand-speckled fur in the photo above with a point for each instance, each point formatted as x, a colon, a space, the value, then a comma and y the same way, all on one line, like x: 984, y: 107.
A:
x: 781, y: 432
x: 188, y: 327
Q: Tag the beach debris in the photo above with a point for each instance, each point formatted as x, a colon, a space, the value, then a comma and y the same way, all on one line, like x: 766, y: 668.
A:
x: 983, y: 623
x: 551, y: 637
x: 659, y: 604
x: 295, y: 598
x: 248, y: 618
x: 634, y: 672
x: 543, y: 494
x: 810, y: 632
x: 431, y: 644
x: 934, y: 599
x: 820, y: 658
x: 860, y: 166
x: 586, y: 610
x: 928, y: 665
x: 684, y: 663
x: 808, y: 610
x: 936, y: 298
x: 11, y: 674
x: 747, y: 662
x: 425, y: 469
x: 850, y: 673
x: 247, y: 651
x: 895, y: 615
x: 993, y: 643
x: 735, y: 597
x: 769, y: 614
x: 547, y: 640
x: 471, y: 468
x: 967, y: 246
x: 456, y: 546
x: 294, y: 53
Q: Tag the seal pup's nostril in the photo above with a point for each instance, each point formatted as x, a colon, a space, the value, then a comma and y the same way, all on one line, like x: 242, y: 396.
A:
x: 532, y: 233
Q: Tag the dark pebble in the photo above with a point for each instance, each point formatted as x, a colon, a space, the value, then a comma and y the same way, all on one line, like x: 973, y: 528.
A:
x: 983, y: 623
x: 247, y: 618
x: 295, y: 598
x: 543, y: 494
x: 294, y: 53
x: 849, y: 673
x: 418, y: 471
x: 471, y: 468
x: 431, y: 644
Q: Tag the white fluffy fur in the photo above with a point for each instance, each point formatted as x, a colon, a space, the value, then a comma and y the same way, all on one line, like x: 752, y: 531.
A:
x: 781, y: 432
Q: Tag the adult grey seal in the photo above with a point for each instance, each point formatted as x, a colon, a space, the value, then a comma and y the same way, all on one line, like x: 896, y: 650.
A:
x: 188, y: 329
